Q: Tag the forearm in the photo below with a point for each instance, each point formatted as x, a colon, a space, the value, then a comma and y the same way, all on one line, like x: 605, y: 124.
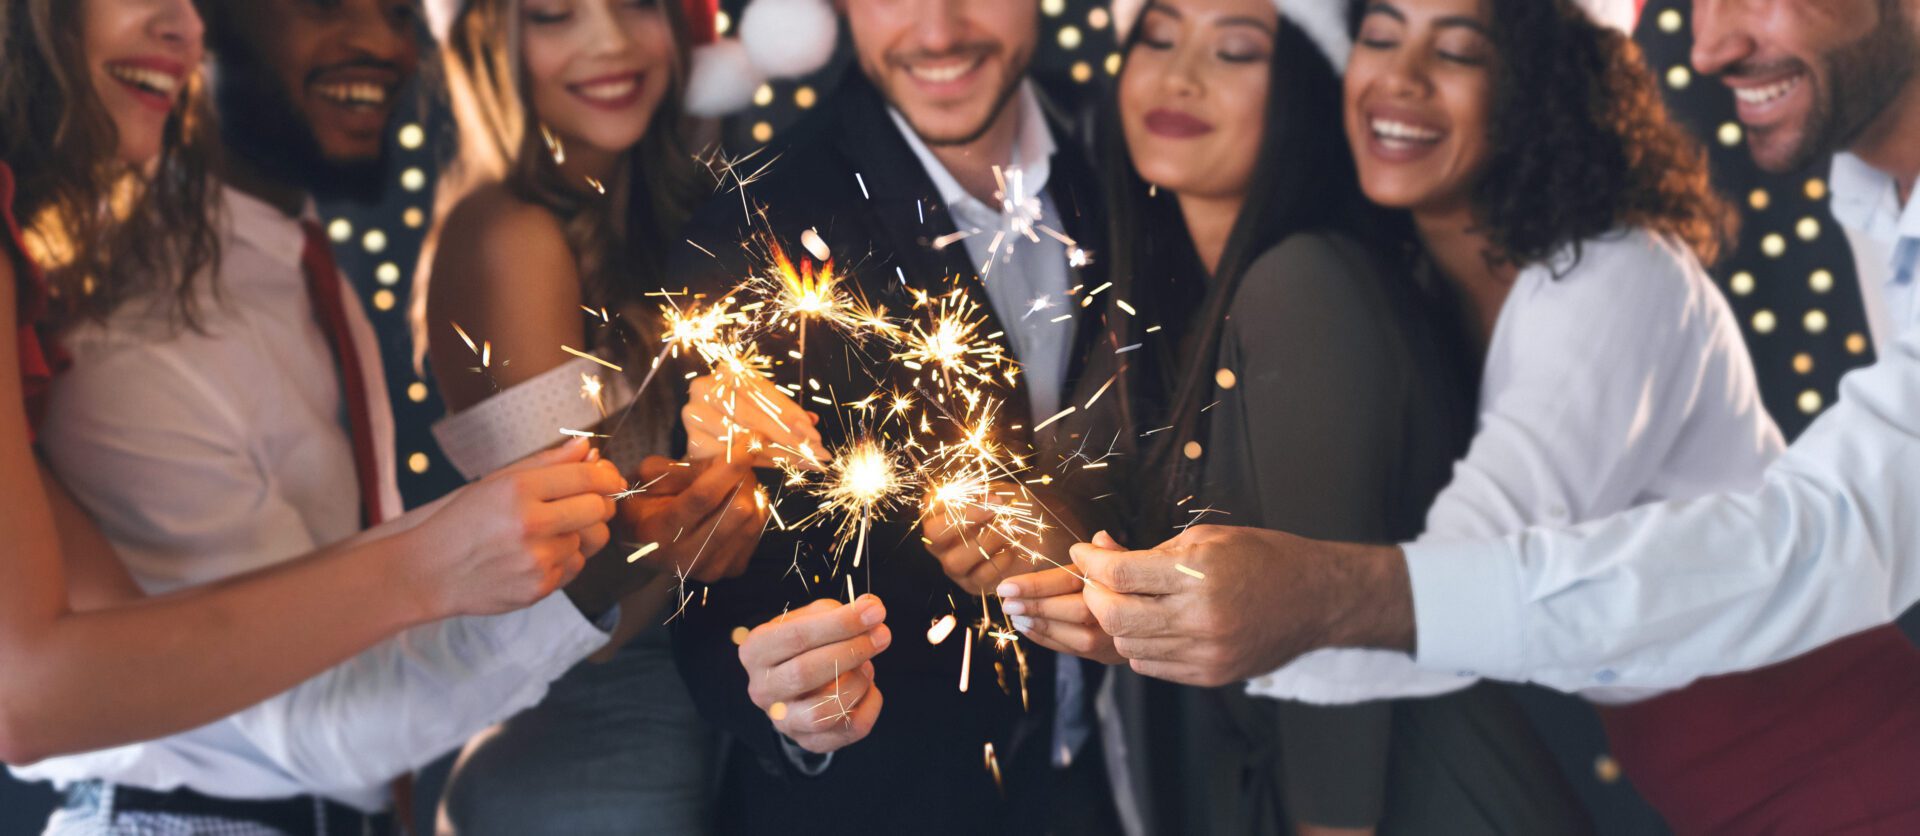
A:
x: 80, y: 681
x: 1369, y: 595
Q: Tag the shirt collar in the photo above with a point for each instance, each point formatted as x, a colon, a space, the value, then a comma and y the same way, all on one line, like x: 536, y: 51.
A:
x: 1033, y: 148
x: 1866, y: 201
x: 262, y: 226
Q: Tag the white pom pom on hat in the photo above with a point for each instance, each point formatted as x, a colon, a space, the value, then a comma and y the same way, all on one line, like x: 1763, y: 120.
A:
x: 778, y: 39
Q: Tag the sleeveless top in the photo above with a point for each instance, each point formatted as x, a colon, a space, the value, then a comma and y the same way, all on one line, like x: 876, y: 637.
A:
x: 40, y: 358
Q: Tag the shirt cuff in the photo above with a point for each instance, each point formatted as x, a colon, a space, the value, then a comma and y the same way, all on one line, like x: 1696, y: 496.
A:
x: 558, y: 635
x: 810, y: 764
x: 1467, y: 604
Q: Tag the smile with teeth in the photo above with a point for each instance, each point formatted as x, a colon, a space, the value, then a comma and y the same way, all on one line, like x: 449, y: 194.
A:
x: 1767, y: 93
x: 1390, y: 129
x: 353, y: 93
x: 610, y: 90
x: 943, y: 73
x: 150, y: 80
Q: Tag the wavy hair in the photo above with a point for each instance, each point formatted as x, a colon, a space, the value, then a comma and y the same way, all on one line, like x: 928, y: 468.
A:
x: 103, y: 231
x: 1582, y: 143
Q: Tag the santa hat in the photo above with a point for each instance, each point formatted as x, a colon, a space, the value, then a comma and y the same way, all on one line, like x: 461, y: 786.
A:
x: 1323, y: 21
x: 777, y: 39
x: 1619, y: 14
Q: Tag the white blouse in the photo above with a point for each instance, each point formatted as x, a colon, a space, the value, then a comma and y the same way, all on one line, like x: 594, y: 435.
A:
x: 1620, y: 382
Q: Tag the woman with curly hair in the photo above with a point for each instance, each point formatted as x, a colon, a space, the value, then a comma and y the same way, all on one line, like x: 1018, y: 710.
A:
x: 1541, y: 177
x: 104, y: 197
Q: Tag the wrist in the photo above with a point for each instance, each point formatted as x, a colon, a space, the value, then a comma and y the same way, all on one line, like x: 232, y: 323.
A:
x: 1371, y: 598
x: 419, y: 598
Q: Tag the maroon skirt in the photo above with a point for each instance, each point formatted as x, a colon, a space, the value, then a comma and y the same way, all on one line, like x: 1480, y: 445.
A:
x: 1826, y: 743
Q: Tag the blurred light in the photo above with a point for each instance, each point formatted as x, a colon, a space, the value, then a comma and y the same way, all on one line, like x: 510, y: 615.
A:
x: 412, y: 136
x: 805, y: 97
x: 417, y: 463
x: 1082, y: 72
x: 388, y: 273
x: 1815, y: 321
x: 1774, y: 244
x: 1099, y: 17
x: 1856, y: 343
x: 1816, y: 189
x: 1070, y: 37
x: 414, y: 218
x: 413, y: 179
x: 1671, y: 21
x: 1053, y: 8
x: 722, y: 22
x: 1759, y: 199
x: 1764, y: 321
x: 762, y: 132
x: 1741, y: 283
x: 1821, y: 281
x: 383, y: 299
x: 1192, y: 449
x: 340, y: 230
x: 1678, y: 77
x: 1729, y: 134
x: 1113, y: 63
x: 1606, y: 769
x: 1808, y: 229
x: 417, y: 392
x: 1803, y: 363
x: 375, y: 240
x: 1810, y: 402
x: 763, y: 95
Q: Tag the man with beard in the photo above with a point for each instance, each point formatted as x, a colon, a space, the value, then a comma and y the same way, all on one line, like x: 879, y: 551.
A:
x: 260, y: 432
x: 1663, y: 594
x: 888, y: 171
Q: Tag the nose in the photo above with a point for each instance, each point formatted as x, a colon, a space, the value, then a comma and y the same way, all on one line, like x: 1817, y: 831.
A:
x: 372, y: 31
x: 1185, y: 77
x: 1720, y: 39
x: 178, y: 23
x: 607, y: 36
x: 942, y: 25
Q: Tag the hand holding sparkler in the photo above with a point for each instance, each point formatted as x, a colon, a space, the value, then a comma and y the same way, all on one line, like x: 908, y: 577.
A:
x: 1219, y: 604
x: 966, y: 528
x: 723, y: 408
x: 697, y: 519
x: 811, y: 670
x: 1048, y: 607
x: 514, y: 537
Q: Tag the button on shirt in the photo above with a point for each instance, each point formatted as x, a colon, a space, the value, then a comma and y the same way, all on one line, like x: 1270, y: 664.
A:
x: 1828, y: 546
x: 208, y: 454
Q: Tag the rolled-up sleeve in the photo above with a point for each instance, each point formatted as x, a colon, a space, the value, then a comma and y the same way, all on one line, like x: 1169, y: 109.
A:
x: 1664, y: 594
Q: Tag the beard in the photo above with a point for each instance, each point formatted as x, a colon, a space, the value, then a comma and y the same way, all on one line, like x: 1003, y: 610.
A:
x: 1862, y: 79
x: 1016, y: 73
x: 260, y: 125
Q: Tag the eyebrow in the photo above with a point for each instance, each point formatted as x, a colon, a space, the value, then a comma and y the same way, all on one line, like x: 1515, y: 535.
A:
x: 1238, y: 20
x: 1454, y: 21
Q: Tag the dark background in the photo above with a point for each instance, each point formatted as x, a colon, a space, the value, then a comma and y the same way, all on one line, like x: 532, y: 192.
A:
x: 1791, y: 283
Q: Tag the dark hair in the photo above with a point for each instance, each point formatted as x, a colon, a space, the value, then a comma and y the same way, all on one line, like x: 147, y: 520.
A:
x: 1582, y: 143
x: 1303, y: 180
x: 104, y: 231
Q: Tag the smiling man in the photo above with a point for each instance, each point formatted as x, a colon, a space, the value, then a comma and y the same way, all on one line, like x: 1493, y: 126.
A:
x: 890, y: 170
x: 1664, y: 594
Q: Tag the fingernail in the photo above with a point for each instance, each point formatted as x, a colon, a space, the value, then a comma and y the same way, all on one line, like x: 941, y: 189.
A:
x: 593, y: 455
x: 871, y: 612
x: 1007, y: 590
x: 1010, y: 606
x: 882, y: 637
x: 1022, y: 623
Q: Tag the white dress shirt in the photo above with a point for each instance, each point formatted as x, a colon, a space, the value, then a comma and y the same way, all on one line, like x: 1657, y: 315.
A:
x: 1621, y: 382
x: 208, y: 454
x: 1828, y: 546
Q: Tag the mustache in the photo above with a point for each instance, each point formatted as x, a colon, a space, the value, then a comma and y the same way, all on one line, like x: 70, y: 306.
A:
x: 976, y: 49
x: 1764, y: 68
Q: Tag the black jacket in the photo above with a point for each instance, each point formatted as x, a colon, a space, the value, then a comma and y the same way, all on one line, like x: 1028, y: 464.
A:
x: 848, y: 173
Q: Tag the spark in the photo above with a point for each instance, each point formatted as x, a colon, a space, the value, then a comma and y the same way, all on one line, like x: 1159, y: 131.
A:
x: 1188, y: 570
x: 643, y: 551
x: 585, y: 356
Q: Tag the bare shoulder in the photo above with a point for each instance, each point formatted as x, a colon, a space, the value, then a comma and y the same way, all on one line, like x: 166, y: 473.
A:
x: 493, y: 235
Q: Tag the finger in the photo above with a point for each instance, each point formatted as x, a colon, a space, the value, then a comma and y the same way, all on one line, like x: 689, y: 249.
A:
x: 709, y: 493
x: 798, y: 632
x: 819, y: 667
x: 859, y: 723
x: 1149, y: 572
x: 574, y: 450
x: 1105, y: 541
x: 661, y: 475
x: 1172, y: 672
x: 1070, y: 608
x: 833, y: 703
x: 566, y: 480
x: 1076, y: 639
x: 989, y: 573
x: 1043, y: 584
x: 593, y: 538
x: 733, y: 542
x: 567, y: 516
x: 1155, y: 649
x: 1138, y: 616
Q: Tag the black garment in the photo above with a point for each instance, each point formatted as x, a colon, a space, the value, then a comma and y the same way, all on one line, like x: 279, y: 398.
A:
x: 1341, y: 396
x: 848, y: 173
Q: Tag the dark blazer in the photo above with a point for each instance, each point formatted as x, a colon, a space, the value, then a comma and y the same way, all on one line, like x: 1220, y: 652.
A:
x: 847, y: 172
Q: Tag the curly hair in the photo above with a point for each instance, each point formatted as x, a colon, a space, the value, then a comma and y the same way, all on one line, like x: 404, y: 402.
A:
x: 1582, y: 143
x: 104, y: 230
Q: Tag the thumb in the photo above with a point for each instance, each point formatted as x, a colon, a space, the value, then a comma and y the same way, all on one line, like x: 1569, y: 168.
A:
x: 575, y: 450
x: 1104, y: 540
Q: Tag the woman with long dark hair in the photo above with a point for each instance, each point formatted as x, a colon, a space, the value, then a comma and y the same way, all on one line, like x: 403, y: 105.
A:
x: 1544, y: 181
x: 571, y: 179
x: 105, y: 197
x: 1301, y: 380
